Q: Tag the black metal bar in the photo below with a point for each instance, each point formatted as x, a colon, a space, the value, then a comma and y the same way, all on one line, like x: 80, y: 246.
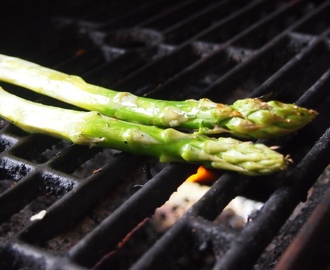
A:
x: 307, y: 246
x: 71, y: 207
x: 257, y: 234
x: 140, y: 206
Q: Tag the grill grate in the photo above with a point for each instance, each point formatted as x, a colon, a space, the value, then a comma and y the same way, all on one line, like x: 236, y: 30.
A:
x: 223, y: 50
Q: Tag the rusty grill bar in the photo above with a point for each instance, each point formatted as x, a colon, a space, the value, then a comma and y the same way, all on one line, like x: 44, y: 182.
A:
x: 223, y: 50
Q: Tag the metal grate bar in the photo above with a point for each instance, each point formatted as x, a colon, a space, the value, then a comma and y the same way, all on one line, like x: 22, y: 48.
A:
x: 258, y: 233
x: 112, y: 230
x: 71, y: 207
x: 306, y: 246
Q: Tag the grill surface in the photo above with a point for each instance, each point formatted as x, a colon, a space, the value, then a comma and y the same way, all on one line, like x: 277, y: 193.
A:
x: 223, y: 50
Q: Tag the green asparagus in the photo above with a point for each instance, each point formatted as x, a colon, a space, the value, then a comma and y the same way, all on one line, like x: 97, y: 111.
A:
x: 247, y: 118
x: 94, y: 129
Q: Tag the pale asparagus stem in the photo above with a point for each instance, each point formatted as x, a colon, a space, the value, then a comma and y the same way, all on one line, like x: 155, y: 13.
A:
x: 247, y: 118
x: 95, y: 129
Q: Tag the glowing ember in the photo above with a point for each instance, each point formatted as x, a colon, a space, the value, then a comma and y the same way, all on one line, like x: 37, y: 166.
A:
x: 204, y: 176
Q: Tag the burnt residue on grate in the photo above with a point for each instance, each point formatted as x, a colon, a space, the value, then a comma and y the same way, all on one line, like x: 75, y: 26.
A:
x: 65, y: 206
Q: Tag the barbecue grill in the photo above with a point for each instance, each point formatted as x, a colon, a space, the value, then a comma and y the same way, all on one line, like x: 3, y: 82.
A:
x: 66, y: 206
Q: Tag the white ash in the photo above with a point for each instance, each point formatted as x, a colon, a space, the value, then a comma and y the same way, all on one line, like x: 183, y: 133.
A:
x: 234, y: 215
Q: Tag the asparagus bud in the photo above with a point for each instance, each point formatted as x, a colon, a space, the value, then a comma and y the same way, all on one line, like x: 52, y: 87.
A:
x: 247, y: 118
x: 94, y: 129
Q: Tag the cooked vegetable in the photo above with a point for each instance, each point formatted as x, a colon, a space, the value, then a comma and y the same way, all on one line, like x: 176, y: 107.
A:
x: 247, y: 118
x: 94, y: 129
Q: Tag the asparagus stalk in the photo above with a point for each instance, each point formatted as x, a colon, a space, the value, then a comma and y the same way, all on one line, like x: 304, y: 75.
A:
x: 94, y: 129
x: 247, y: 118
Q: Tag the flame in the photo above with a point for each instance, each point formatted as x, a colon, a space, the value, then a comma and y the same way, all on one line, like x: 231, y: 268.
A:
x: 203, y: 176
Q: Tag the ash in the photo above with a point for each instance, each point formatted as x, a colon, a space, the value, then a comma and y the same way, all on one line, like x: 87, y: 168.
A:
x: 234, y: 216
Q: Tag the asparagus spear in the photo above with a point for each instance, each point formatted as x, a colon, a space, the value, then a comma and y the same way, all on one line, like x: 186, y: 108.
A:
x: 247, y: 118
x: 94, y: 129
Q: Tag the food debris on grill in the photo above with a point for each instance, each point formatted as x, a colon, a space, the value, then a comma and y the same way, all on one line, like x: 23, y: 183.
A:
x: 39, y: 215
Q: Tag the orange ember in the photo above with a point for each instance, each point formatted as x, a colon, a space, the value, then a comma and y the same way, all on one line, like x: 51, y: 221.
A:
x: 120, y: 244
x: 129, y: 235
x: 80, y: 52
x: 203, y: 176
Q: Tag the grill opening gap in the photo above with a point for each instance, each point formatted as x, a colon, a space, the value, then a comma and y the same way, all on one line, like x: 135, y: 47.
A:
x: 96, y: 163
x: 39, y: 148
